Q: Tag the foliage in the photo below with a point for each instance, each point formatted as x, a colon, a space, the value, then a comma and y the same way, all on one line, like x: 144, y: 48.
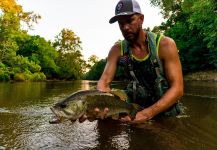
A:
x: 93, y: 59
x: 39, y: 76
x: 28, y: 76
x: 24, y: 57
x: 13, y: 65
x: 67, y: 42
x: 24, y: 64
x: 168, y: 7
x: 96, y: 70
x: 204, y: 20
x: 4, y: 73
x: 9, y: 26
x: 38, y: 50
x: 27, y: 57
x: 191, y: 23
x: 193, y: 27
x: 72, y: 65
x: 11, y: 7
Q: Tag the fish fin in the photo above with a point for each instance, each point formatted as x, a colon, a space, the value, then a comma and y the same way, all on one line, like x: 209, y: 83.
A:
x: 136, y: 108
x: 120, y: 93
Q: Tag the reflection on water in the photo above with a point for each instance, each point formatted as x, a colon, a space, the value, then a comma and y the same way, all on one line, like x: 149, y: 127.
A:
x: 24, y: 116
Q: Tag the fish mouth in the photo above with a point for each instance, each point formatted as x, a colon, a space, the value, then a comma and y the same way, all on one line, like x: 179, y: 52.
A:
x: 56, y: 119
x: 58, y: 116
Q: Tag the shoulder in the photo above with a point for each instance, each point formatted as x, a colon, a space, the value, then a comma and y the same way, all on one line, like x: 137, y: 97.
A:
x: 115, y: 51
x: 166, y: 41
x: 167, y: 47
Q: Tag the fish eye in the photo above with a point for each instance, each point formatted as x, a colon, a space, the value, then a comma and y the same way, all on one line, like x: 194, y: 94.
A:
x: 63, y: 105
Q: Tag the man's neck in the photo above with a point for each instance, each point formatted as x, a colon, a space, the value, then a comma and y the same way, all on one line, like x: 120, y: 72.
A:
x: 139, y: 48
x: 140, y: 41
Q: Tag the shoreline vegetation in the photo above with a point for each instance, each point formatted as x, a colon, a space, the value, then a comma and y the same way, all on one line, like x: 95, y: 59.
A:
x: 26, y: 57
x: 210, y: 75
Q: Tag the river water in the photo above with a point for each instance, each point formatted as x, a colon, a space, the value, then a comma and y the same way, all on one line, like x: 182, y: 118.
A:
x: 25, y: 115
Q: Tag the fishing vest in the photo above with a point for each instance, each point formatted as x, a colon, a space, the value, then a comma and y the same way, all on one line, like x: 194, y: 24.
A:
x: 148, y: 78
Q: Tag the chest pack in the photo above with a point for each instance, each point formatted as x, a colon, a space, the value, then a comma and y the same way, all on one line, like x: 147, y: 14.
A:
x: 143, y: 93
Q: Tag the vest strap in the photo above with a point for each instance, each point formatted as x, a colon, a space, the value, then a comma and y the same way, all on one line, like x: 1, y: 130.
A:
x: 153, y: 40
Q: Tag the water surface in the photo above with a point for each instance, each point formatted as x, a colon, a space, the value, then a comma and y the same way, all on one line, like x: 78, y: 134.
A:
x: 24, y: 116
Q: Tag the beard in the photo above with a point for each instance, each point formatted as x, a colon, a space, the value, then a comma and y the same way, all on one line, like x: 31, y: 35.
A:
x: 131, y: 36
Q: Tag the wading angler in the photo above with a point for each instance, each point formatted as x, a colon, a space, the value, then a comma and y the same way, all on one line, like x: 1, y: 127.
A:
x: 151, y: 60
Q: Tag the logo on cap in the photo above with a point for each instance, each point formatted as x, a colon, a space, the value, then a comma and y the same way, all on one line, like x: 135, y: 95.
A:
x: 119, y: 7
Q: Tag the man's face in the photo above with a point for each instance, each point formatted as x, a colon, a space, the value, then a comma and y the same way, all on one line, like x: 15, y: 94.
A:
x: 130, y: 26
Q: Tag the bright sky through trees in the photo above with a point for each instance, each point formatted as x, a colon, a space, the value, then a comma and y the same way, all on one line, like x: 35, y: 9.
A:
x: 87, y: 18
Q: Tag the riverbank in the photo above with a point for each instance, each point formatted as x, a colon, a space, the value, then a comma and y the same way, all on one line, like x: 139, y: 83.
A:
x: 202, y: 76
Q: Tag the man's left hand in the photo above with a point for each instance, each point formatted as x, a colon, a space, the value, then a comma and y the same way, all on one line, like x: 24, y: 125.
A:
x: 141, y: 117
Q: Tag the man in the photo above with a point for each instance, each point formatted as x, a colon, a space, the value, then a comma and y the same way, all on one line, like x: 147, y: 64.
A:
x: 146, y: 61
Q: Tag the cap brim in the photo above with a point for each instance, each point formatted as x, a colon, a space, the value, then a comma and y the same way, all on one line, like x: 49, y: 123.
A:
x: 116, y: 18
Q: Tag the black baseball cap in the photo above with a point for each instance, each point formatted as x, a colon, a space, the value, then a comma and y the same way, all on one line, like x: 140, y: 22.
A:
x: 125, y: 7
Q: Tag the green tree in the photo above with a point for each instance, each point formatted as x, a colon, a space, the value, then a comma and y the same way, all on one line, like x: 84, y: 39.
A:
x: 203, y: 18
x: 70, y: 59
x: 93, y: 59
x: 38, y: 50
x: 96, y: 70
x: 9, y: 27
x: 11, y: 7
x: 168, y: 7
x: 13, y: 64
x: 192, y: 24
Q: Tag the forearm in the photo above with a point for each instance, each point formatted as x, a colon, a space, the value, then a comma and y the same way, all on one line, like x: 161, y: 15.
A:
x: 106, y: 78
x: 166, y: 101
x: 168, y: 54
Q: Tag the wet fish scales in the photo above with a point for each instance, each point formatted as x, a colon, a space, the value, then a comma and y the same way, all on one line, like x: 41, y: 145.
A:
x: 84, y: 102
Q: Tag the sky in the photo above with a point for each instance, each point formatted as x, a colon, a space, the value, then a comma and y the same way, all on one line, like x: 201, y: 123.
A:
x: 88, y: 19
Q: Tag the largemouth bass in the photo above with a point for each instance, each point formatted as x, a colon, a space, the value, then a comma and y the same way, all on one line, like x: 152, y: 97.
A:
x: 84, y: 102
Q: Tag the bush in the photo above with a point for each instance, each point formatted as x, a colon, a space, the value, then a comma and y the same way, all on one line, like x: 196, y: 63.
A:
x: 38, y: 76
x: 28, y: 76
x: 4, y: 73
x: 4, y: 76
x: 19, y: 77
